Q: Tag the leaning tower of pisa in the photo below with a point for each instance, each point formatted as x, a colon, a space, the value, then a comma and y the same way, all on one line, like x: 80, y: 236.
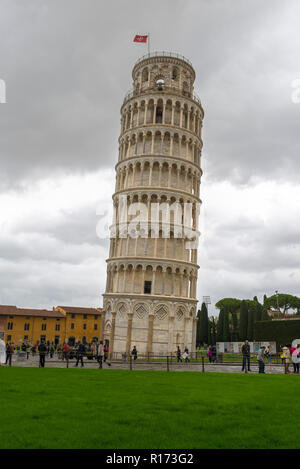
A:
x: 150, y: 298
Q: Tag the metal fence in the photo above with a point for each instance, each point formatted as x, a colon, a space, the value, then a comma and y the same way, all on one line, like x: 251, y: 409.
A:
x: 197, y: 361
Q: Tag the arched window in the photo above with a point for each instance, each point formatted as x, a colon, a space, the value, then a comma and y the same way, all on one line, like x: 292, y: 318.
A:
x: 175, y: 74
x: 145, y: 75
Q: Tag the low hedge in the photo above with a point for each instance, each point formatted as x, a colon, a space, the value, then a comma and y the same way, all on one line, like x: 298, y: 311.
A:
x: 282, y: 332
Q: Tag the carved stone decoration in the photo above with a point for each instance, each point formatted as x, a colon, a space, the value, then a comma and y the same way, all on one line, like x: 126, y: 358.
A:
x: 180, y: 313
x: 140, y: 310
x: 161, y: 312
x: 122, y: 310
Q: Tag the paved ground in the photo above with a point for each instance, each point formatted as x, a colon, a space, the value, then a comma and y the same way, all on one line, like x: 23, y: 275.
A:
x: 141, y: 365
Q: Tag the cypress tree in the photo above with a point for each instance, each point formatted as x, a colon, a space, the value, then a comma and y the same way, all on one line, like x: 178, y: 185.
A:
x: 226, y: 336
x: 220, y: 326
x: 235, y: 332
x: 209, y: 339
x: 243, y: 321
x: 203, y: 326
x: 250, y: 328
x: 264, y: 314
x: 198, y: 329
x: 214, y: 332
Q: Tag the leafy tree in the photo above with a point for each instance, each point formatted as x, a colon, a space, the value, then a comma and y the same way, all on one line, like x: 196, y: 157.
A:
x: 203, y: 325
x: 220, y: 326
x: 264, y: 314
x: 233, y: 304
x: 213, y: 330
x: 243, y: 321
x: 235, y: 327
x: 250, y: 326
x: 226, y: 335
x: 282, y: 302
x: 198, y: 328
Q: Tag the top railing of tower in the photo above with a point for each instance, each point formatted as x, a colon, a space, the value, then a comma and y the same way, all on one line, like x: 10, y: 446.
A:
x: 163, y: 54
x: 131, y: 93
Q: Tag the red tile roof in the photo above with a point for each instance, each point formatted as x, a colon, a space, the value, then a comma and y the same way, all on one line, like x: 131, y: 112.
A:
x: 14, y: 311
x: 81, y: 310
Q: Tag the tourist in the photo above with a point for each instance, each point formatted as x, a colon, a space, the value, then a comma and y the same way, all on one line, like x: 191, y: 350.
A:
x: 209, y: 354
x: 261, y: 355
x: 214, y: 353
x: 66, y: 351
x: 268, y: 354
x: 134, y: 353
x: 9, y: 352
x: 106, y: 350
x: 80, y: 354
x: 51, y: 350
x: 100, y: 352
x: 246, y: 355
x: 186, y: 354
x: 42, y: 348
x: 286, y: 357
x: 178, y: 354
x: 94, y: 350
x: 295, y: 359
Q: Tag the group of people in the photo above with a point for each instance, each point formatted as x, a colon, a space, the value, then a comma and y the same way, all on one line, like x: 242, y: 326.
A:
x: 184, y: 356
x: 289, y: 352
x: 264, y: 354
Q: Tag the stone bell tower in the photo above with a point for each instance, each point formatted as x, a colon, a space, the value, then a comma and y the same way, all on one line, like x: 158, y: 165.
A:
x: 150, y: 298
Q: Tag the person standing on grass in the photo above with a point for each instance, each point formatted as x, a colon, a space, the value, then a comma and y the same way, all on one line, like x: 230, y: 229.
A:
x: 214, y: 353
x: 209, y: 354
x: 186, y: 354
x: 134, y: 353
x: 9, y: 352
x: 261, y: 359
x: 286, y: 357
x: 178, y: 354
x: 246, y: 355
x: 51, y: 350
x: 100, y: 353
x: 295, y: 359
x: 106, y: 350
x: 80, y: 354
x: 42, y: 351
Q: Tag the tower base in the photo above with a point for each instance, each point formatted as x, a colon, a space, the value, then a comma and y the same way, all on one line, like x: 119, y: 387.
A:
x: 154, y: 324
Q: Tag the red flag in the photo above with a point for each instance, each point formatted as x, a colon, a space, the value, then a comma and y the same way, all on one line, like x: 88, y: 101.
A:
x: 139, y: 38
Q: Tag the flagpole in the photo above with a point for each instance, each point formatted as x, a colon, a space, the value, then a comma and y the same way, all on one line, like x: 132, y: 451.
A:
x: 149, y: 43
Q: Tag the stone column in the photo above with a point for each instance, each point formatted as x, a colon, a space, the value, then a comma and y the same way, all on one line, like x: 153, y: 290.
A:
x: 103, y: 315
x: 150, y: 333
x: 171, y: 334
x: 129, y: 333
x: 186, y: 327
x: 194, y: 334
x: 112, y: 334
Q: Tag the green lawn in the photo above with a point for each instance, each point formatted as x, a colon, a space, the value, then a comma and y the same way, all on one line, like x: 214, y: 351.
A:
x: 67, y: 408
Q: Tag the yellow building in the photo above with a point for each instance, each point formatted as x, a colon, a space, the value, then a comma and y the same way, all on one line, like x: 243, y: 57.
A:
x: 58, y: 325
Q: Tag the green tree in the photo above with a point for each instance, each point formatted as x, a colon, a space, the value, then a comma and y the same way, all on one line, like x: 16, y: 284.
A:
x: 282, y: 302
x: 235, y: 327
x: 243, y: 321
x: 250, y: 326
x: 203, y: 325
x: 226, y: 335
x: 198, y: 329
x: 233, y: 304
x: 213, y: 330
x: 220, y: 326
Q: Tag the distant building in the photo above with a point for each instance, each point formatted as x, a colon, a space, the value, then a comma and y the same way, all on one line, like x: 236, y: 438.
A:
x: 57, y: 325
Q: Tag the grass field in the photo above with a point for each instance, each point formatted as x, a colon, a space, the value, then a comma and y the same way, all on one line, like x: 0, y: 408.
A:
x: 60, y: 408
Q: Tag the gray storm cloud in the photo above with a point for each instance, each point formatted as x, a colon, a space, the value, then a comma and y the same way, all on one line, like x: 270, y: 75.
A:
x: 67, y: 66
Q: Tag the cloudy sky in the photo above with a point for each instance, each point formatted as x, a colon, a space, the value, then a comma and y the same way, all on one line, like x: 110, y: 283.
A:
x: 67, y: 66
